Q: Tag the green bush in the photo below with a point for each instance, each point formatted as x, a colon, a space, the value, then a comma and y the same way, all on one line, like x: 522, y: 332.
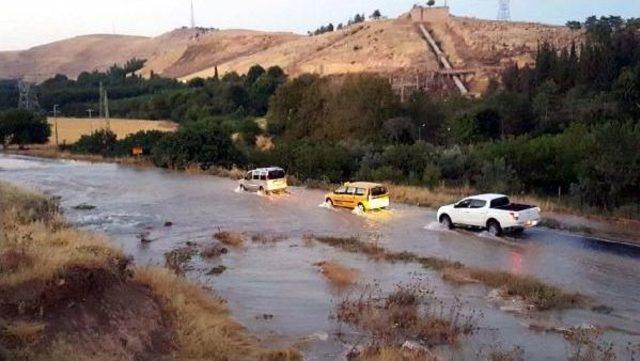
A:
x: 431, y: 175
x: 203, y: 143
x: 147, y: 140
x: 101, y: 142
x: 22, y: 127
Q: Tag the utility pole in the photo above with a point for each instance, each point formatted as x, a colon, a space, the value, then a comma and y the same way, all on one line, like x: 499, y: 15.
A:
x: 193, y: 17
x: 55, y: 119
x: 90, y: 111
x: 106, y: 110
x: 100, y: 107
x: 104, y: 106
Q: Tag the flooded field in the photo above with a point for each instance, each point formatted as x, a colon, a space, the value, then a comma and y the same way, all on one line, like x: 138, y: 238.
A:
x: 273, y: 278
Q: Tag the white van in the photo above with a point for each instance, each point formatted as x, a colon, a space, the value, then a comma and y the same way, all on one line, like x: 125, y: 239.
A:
x: 266, y: 180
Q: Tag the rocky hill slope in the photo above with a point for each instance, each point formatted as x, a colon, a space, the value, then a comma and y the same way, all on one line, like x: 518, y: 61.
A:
x: 385, y: 46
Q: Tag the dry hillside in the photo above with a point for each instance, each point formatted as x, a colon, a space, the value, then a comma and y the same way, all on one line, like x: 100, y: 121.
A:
x: 386, y: 46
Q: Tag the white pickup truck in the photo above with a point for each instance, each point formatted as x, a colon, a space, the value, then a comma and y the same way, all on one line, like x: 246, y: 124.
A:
x: 493, y: 212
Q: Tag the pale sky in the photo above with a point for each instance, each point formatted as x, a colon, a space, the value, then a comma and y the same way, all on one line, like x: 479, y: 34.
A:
x: 26, y: 23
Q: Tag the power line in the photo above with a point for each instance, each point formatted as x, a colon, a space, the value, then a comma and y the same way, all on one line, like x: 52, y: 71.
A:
x: 28, y: 99
x: 504, y: 10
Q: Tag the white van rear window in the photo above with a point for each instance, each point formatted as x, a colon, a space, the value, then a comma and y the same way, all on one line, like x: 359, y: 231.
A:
x: 277, y: 174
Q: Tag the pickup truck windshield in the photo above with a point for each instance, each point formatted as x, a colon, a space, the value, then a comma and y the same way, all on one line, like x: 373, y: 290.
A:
x: 500, y: 202
x: 276, y: 174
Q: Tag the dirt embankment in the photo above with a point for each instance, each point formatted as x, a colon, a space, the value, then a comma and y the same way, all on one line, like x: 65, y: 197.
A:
x: 70, y: 295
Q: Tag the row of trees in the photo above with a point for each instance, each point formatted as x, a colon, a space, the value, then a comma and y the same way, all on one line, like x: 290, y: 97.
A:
x: 357, y: 19
x: 132, y: 96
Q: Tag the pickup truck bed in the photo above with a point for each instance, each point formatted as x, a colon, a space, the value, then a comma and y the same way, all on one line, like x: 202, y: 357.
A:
x: 514, y: 207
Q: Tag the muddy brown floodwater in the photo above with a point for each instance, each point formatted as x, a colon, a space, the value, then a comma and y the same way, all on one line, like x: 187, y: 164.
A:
x: 276, y: 291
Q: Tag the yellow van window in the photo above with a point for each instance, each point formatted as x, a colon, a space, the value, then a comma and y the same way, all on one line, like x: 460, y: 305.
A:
x: 361, y: 191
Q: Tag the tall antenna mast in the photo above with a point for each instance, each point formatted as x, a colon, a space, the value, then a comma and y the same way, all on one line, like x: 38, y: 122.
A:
x: 504, y: 10
x: 193, y: 17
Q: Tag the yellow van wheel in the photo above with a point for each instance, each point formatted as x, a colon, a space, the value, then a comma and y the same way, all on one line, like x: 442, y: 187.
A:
x: 361, y: 207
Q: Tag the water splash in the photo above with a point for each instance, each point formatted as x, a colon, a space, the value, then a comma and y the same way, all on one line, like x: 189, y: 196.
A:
x: 436, y: 227
x: 327, y: 205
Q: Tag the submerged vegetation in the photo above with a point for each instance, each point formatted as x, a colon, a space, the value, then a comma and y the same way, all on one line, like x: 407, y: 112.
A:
x: 533, y: 291
x: 409, y: 313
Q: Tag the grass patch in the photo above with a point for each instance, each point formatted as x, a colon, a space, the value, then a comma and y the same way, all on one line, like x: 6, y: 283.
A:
x: 213, y: 251
x: 231, y: 239
x: 339, y: 275
x: 204, y: 329
x: 409, y: 313
x: 22, y: 332
x: 26, y: 206
x: 178, y: 260
x: 45, y: 250
x: 395, y: 353
x: 353, y: 245
x: 530, y: 289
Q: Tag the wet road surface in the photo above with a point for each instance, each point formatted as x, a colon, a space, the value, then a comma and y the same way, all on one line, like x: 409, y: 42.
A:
x: 279, y: 279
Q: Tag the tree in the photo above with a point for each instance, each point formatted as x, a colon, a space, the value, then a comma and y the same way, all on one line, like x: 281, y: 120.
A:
x: 196, y: 82
x: 376, y: 15
x: 574, y: 25
x: 627, y: 90
x: 430, y: 3
x: 254, y: 73
x: 133, y: 65
x: 22, y: 127
x: 400, y: 130
x: 488, y: 123
x: 608, y: 179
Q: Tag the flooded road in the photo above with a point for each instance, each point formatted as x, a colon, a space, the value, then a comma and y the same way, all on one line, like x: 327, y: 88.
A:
x: 280, y: 278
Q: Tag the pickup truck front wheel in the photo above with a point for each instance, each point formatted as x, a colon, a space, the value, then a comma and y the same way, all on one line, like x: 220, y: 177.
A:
x: 446, y: 221
x: 494, y: 228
